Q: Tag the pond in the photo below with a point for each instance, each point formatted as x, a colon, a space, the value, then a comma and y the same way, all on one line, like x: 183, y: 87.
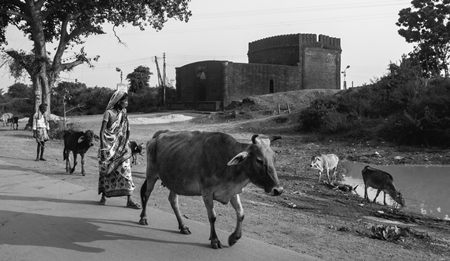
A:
x: 426, y: 189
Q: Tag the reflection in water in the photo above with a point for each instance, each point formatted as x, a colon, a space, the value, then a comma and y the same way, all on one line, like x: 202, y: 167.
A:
x: 424, y: 188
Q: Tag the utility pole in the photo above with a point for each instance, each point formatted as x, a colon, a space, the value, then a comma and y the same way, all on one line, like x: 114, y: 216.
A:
x: 160, y: 81
x: 164, y: 81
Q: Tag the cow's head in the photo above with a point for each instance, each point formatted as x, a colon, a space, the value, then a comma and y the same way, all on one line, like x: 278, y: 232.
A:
x: 397, y: 197
x: 87, y: 137
x: 259, y: 165
x: 316, y: 163
x: 140, y: 148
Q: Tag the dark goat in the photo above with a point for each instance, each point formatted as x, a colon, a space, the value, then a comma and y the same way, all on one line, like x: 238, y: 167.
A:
x: 136, y: 149
x: 78, y: 142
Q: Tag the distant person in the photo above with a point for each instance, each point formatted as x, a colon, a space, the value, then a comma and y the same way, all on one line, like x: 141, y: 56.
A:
x: 40, y: 130
x: 114, y: 153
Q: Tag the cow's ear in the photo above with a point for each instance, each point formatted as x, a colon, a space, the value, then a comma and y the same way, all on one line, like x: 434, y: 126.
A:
x: 81, y: 139
x: 238, y: 159
x: 274, y: 138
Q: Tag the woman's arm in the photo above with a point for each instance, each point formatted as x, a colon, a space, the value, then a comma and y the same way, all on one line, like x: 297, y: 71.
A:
x: 102, y: 131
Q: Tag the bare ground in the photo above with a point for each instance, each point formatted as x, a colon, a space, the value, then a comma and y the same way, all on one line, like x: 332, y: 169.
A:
x: 308, y: 218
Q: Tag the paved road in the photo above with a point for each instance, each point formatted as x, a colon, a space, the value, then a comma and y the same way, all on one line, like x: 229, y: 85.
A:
x: 46, y: 219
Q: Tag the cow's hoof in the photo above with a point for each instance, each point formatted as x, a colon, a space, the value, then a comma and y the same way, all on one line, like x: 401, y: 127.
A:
x: 215, y: 243
x: 185, y: 230
x: 143, y: 221
x: 83, y: 174
x: 232, y: 239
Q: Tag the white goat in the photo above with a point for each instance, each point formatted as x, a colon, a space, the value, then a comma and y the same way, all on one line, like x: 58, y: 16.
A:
x: 326, y: 162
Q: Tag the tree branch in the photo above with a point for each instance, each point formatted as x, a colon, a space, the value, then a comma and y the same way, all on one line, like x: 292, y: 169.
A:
x: 70, y: 66
x: 118, y: 38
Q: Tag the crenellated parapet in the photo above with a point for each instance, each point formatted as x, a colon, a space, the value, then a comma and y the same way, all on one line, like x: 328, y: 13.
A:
x: 295, y: 40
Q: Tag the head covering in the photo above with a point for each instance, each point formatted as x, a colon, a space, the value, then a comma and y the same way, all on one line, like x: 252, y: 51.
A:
x: 117, y: 96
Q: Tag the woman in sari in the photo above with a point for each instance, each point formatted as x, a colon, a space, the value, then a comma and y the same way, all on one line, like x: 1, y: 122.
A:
x: 114, y: 154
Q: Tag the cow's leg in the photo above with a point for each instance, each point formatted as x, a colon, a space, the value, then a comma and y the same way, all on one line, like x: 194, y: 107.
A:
x: 146, y: 190
x: 328, y: 175
x: 366, y: 196
x: 66, y: 156
x: 82, y: 164
x: 209, y: 203
x: 384, y: 200
x: 236, y: 203
x: 173, y: 199
x: 376, y: 196
x: 320, y: 175
x: 74, y: 161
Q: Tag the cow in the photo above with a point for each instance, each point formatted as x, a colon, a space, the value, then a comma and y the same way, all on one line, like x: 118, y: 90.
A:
x: 14, y: 122
x: 382, y: 181
x: 326, y: 162
x: 6, y: 117
x: 136, y: 149
x: 78, y: 142
x: 212, y: 165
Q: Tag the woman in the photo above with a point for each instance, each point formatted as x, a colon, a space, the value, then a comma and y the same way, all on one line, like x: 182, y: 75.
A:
x: 40, y: 130
x: 114, y: 154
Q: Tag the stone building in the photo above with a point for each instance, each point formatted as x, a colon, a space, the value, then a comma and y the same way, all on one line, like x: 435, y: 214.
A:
x: 275, y: 64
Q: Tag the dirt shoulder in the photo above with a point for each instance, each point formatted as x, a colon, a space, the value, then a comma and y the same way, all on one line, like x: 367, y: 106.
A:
x: 309, y: 217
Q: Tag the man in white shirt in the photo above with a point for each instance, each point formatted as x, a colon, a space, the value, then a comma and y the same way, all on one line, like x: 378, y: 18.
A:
x: 40, y: 130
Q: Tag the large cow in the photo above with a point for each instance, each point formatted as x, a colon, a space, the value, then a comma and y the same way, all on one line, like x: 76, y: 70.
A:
x: 212, y: 165
x: 78, y: 142
x: 382, y: 181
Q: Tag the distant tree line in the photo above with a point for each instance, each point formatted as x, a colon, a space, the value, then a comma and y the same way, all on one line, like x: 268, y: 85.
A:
x: 75, y: 98
x: 79, y: 99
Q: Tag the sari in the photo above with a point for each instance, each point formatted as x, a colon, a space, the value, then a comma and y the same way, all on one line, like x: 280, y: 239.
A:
x: 115, y: 178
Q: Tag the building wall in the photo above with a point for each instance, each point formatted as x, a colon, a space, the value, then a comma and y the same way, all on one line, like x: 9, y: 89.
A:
x: 244, y: 80
x: 276, y: 64
x: 321, y: 69
x: 200, y: 81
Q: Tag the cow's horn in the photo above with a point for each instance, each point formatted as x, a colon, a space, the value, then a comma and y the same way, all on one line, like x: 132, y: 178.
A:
x: 254, y: 138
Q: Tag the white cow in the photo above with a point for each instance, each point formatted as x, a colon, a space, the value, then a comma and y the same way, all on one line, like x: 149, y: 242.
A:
x: 326, y: 162
x: 6, y: 117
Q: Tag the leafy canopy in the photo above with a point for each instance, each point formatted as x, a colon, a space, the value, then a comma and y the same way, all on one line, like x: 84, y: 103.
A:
x: 427, y: 23
x: 77, y: 19
x: 139, y: 79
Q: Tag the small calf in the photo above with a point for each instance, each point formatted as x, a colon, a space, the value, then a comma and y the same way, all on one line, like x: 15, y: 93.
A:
x: 382, y: 181
x: 135, y: 149
x: 78, y: 142
x: 326, y: 162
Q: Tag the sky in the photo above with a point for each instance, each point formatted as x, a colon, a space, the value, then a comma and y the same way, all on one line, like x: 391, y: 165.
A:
x: 222, y: 29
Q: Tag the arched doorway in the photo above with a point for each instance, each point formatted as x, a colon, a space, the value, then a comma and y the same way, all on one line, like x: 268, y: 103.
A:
x: 272, y: 88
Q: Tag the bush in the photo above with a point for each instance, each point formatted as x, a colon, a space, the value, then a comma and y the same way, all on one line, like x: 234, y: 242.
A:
x: 405, y: 110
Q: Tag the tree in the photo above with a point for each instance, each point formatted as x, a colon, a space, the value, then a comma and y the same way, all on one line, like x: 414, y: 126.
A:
x: 68, y: 24
x: 139, y: 79
x: 427, y: 23
x: 19, y: 90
